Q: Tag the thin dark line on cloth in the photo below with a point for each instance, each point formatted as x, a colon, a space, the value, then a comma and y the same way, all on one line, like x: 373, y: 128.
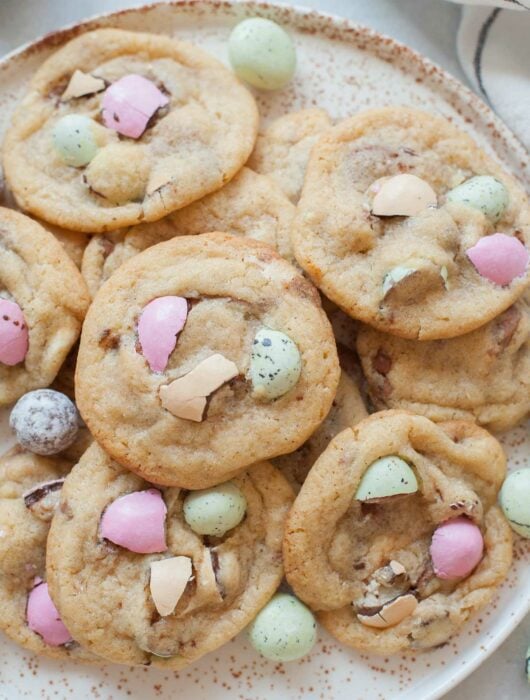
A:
x: 481, y: 43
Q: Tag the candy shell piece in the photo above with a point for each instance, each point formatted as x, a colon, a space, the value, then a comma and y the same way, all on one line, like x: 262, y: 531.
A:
x: 403, y: 195
x: 391, y: 613
x: 136, y: 522
x: 160, y: 323
x: 499, y: 258
x: 275, y: 364
x: 387, y: 476
x: 482, y: 192
x: 284, y: 630
x: 395, y: 276
x: 14, y: 338
x: 74, y: 139
x: 129, y: 103
x: 186, y: 396
x: 43, y: 617
x: 45, y: 421
x: 215, y: 511
x: 456, y: 548
x: 81, y: 85
x: 262, y: 53
x: 514, y: 498
x: 168, y: 580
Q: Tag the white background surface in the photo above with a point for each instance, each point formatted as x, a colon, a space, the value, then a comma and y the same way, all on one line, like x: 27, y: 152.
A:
x: 430, y: 26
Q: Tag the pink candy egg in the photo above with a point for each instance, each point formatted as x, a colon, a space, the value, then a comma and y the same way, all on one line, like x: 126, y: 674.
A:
x: 161, y: 321
x: 137, y: 522
x: 13, y: 333
x: 129, y: 103
x: 43, y: 617
x: 499, y: 258
x: 456, y: 548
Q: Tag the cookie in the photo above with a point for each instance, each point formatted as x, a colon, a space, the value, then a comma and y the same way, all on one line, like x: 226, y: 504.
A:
x: 189, y: 593
x: 382, y: 233
x: 347, y: 410
x: 122, y: 127
x: 29, y: 490
x: 395, y: 537
x: 250, y: 205
x: 202, y: 355
x: 483, y: 375
x: 282, y: 150
x: 43, y: 300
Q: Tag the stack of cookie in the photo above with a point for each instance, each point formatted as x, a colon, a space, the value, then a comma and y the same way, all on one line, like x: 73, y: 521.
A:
x: 227, y: 281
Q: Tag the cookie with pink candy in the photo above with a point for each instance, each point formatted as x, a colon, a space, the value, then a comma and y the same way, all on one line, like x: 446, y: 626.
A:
x: 43, y: 301
x: 126, y: 128
x: 172, y: 574
x: 30, y: 487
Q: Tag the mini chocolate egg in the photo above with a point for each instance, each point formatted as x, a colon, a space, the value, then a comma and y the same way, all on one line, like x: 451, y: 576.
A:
x: 215, y: 511
x: 482, y: 192
x: 74, y: 140
x: 514, y: 498
x: 43, y: 617
x: 284, y: 630
x: 262, y: 53
x: 499, y: 258
x: 136, y: 521
x: 395, y: 276
x: 456, y: 548
x: 45, y: 421
x: 387, y: 476
x: 275, y: 364
x: 14, y: 336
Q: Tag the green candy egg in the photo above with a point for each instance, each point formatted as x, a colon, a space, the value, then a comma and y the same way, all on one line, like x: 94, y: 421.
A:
x: 527, y: 664
x: 387, y: 476
x: 275, y: 364
x: 483, y: 192
x: 262, y: 53
x: 73, y: 139
x: 515, y: 501
x: 215, y: 511
x: 395, y: 276
x: 284, y: 630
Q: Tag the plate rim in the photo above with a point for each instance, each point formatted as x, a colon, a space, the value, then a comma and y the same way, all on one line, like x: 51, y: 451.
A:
x: 297, y: 14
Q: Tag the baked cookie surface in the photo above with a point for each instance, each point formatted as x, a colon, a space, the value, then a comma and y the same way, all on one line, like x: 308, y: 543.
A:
x: 282, y: 150
x: 44, y: 300
x: 363, y: 556
x: 483, y: 375
x: 249, y: 205
x: 410, y: 274
x: 200, y: 129
x: 252, y: 374
x: 234, y: 575
x: 25, y: 523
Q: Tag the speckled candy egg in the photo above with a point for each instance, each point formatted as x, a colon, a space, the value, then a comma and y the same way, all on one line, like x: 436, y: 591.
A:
x: 483, y: 192
x: 387, y: 476
x: 262, y: 53
x: 215, y: 511
x: 74, y: 139
x: 515, y: 501
x: 275, y: 364
x: 44, y: 421
x: 284, y: 630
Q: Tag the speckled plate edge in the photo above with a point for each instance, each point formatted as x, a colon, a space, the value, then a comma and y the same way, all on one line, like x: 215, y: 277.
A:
x: 465, y: 102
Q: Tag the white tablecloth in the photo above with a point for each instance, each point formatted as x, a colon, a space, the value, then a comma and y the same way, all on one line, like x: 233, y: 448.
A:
x: 430, y: 26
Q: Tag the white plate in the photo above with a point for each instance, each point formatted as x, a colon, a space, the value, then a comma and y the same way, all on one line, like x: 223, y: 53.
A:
x: 343, y: 68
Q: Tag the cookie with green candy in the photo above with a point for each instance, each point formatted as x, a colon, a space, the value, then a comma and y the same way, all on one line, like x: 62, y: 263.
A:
x: 395, y: 538
x: 173, y: 575
x: 121, y: 127
x: 224, y: 352
x: 407, y: 225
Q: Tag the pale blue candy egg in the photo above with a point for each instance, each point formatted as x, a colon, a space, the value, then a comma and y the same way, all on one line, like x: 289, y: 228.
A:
x: 284, y: 630
x: 215, y: 511
x: 275, y: 364
x: 74, y: 140
x: 262, y: 53
x: 483, y: 192
x: 515, y: 501
x: 387, y: 476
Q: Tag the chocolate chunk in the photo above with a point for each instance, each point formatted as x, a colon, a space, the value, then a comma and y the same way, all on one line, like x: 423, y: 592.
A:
x: 108, y: 340
x: 43, y: 499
